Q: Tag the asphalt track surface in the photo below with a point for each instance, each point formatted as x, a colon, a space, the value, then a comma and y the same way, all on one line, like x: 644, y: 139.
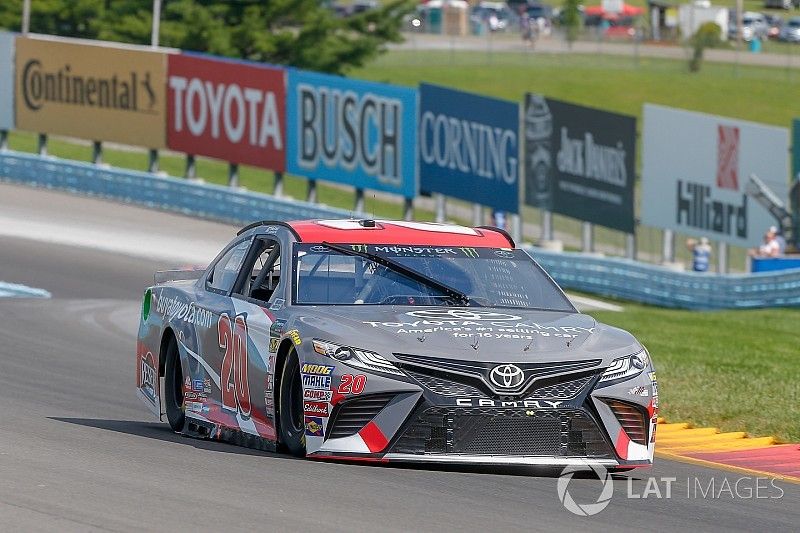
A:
x: 79, y: 452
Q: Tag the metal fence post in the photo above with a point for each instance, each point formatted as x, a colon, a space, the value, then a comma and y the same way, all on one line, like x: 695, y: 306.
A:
x: 152, y: 164
x: 516, y: 228
x: 408, y: 209
x: 630, y: 246
x: 311, y: 197
x: 97, y: 152
x: 547, y: 226
x: 359, y: 207
x: 191, y: 167
x: 668, y: 248
x: 3, y: 139
x: 41, y: 146
x: 278, y: 190
x: 587, y: 237
x: 233, y: 175
x: 722, y: 258
x: 477, y: 214
x: 441, y: 208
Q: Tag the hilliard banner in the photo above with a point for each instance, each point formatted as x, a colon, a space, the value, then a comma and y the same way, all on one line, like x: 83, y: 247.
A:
x: 469, y: 148
x: 358, y: 133
x: 230, y: 110
x: 695, y: 172
x: 580, y: 162
x: 106, y: 92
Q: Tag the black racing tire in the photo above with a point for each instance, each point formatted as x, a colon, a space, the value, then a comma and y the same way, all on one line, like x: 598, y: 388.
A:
x: 290, y: 408
x: 173, y: 388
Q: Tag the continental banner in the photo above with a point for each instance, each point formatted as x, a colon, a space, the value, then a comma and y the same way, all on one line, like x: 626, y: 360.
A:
x: 6, y: 80
x: 98, y: 92
x: 580, y: 162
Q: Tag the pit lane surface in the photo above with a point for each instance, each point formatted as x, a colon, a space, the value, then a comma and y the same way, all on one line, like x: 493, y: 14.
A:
x: 78, y: 451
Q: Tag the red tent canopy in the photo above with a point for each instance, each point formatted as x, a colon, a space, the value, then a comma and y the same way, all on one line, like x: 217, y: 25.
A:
x: 627, y: 11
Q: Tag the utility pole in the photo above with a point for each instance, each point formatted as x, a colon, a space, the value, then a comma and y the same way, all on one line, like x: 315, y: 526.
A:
x: 156, y: 23
x: 26, y: 16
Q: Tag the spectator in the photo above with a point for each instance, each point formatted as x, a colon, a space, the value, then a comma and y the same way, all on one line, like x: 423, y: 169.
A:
x: 780, y: 239
x: 701, y: 254
x: 770, y: 247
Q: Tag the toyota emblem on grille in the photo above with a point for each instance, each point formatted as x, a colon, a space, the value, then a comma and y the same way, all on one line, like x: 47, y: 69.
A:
x: 506, y: 376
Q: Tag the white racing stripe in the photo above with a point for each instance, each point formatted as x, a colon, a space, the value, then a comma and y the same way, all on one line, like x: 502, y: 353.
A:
x: 591, y: 304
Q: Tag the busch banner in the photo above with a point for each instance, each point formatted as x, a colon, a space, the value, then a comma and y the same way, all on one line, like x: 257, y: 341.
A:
x: 98, y: 91
x: 6, y: 81
x: 695, y: 173
x: 580, y: 162
x: 468, y: 147
x: 358, y: 133
x: 230, y: 110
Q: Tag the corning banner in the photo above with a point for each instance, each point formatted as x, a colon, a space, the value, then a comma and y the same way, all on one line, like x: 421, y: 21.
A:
x: 7, y: 80
x: 468, y: 147
x: 226, y: 109
x: 106, y: 92
x: 580, y: 162
x: 358, y: 133
x: 695, y: 170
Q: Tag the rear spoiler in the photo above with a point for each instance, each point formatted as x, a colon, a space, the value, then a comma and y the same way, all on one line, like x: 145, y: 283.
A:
x: 165, y: 276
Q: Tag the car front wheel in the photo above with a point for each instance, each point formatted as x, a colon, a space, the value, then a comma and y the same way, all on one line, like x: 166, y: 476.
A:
x: 290, y: 403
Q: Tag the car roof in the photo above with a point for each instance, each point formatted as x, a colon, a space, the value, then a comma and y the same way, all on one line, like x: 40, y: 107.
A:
x: 369, y: 231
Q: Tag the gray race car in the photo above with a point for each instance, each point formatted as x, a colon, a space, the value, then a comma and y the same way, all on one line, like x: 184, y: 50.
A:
x: 392, y: 341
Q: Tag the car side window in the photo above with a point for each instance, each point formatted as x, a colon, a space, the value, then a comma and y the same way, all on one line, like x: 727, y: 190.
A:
x: 226, y: 270
x: 264, y: 269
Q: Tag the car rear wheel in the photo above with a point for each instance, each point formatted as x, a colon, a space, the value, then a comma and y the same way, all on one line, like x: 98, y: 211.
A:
x: 290, y: 406
x: 173, y: 388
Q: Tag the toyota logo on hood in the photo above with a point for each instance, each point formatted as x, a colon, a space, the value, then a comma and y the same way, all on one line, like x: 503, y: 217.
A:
x: 506, y: 376
x: 461, y: 314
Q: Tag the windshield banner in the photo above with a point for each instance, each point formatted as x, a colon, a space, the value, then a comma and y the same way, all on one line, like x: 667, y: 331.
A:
x: 358, y: 133
x: 580, y: 162
x: 469, y: 147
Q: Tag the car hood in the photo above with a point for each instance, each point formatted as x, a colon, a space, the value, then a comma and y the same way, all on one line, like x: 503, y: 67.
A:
x: 471, y: 334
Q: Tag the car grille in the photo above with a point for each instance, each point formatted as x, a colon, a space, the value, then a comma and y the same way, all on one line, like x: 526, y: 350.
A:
x: 632, y: 420
x: 353, y: 415
x: 483, y: 431
x: 452, y: 387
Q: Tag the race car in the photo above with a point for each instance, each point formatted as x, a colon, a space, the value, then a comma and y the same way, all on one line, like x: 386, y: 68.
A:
x: 373, y: 340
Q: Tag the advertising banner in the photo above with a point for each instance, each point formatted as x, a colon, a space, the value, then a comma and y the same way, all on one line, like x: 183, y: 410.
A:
x: 358, y: 133
x: 695, y: 172
x: 795, y: 149
x: 102, y: 92
x: 6, y: 80
x: 580, y: 162
x: 230, y: 110
x: 468, y: 147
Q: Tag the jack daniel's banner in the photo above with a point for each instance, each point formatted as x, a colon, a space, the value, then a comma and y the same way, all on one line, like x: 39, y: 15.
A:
x: 580, y: 162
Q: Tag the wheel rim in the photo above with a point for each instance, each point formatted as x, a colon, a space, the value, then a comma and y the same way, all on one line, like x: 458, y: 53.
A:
x: 295, y: 401
x: 178, y: 385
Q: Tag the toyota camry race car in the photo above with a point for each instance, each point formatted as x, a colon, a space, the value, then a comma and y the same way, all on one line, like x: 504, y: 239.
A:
x: 392, y: 341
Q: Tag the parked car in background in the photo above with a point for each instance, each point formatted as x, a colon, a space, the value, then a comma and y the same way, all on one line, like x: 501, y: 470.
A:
x: 774, y: 25
x: 497, y: 16
x: 754, y: 26
x: 790, y: 32
x: 781, y: 4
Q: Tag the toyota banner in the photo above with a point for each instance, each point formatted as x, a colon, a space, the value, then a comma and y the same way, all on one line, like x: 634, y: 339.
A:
x: 226, y: 109
x: 469, y: 148
x: 358, y: 133
x: 580, y: 162
x: 695, y: 170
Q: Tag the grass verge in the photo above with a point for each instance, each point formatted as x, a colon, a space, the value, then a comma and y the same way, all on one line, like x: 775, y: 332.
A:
x: 736, y: 370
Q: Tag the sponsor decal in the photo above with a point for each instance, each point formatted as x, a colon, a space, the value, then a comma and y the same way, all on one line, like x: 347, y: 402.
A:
x: 197, y: 385
x: 507, y: 254
x: 196, y: 407
x: 728, y: 157
x: 315, y: 381
x: 470, y: 252
x: 526, y: 404
x: 352, y: 384
x: 273, y: 344
x: 654, y: 385
x: 322, y: 370
x: 147, y: 376
x: 317, y: 395
x: 277, y: 305
x: 174, y: 309
x: 315, y: 408
x: 639, y: 391
x: 92, y: 92
x: 276, y: 329
x: 314, y: 426
x: 228, y: 110
x: 462, y: 314
x: 506, y: 376
x: 295, y: 336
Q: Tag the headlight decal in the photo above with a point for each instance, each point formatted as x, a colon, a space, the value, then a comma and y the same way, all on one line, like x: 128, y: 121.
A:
x: 355, y: 357
x: 626, y: 367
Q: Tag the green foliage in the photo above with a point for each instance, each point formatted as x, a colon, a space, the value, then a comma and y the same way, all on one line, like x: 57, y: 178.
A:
x: 300, y: 33
x: 708, y: 35
x: 572, y: 20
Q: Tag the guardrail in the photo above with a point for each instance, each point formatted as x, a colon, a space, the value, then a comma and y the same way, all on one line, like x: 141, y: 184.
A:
x: 150, y: 190
x: 608, y: 276
x: 655, y: 285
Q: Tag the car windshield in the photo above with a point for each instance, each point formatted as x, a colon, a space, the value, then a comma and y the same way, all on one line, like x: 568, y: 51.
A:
x: 794, y: 23
x: 492, y: 277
